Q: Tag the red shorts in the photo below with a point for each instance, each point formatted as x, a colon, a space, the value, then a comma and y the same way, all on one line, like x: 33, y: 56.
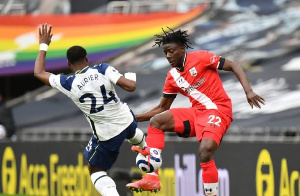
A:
x: 190, y: 122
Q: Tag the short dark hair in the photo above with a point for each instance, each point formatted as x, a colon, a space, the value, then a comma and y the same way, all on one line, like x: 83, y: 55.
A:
x: 178, y: 37
x: 75, y: 54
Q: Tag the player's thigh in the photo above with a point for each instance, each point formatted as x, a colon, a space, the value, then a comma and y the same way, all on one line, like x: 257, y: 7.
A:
x: 183, y: 121
x: 103, y: 154
x: 163, y: 121
x: 211, y: 124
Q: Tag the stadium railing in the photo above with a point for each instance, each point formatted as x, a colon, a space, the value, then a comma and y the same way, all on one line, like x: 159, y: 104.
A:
x: 12, y: 7
x: 141, y: 6
x: 234, y: 134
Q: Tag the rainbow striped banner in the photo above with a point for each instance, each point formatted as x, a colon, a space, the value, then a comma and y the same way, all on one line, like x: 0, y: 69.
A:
x: 102, y: 35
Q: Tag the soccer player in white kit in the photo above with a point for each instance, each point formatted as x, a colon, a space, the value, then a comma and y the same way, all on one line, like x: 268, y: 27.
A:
x: 92, y: 89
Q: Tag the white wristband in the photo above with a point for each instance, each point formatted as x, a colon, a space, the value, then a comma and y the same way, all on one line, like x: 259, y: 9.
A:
x: 43, y: 46
x: 130, y: 76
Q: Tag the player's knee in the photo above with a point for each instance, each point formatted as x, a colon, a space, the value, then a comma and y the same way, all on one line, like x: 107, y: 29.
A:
x: 163, y: 121
x: 156, y: 122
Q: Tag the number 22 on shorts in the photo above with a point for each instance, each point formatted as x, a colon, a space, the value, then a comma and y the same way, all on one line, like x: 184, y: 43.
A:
x: 214, y: 120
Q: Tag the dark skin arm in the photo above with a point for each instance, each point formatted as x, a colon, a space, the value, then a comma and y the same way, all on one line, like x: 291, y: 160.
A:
x: 126, y: 84
x: 165, y: 104
x: 252, y: 98
x: 39, y: 67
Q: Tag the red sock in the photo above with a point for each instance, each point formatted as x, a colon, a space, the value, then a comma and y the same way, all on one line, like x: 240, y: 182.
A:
x: 209, y: 172
x: 155, y: 138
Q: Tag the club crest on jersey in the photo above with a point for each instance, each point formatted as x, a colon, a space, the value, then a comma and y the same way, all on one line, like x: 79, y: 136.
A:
x: 193, y: 71
x: 213, y: 59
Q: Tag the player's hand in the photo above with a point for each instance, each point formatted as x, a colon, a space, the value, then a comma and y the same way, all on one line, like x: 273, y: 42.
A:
x: 45, y: 34
x: 254, y: 99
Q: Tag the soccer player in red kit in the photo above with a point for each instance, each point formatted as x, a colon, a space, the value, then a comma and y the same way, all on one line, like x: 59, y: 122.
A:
x: 195, y: 75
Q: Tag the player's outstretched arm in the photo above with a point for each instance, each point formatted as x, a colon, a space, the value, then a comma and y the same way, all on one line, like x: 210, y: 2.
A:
x: 39, y: 66
x: 165, y: 104
x: 252, y: 98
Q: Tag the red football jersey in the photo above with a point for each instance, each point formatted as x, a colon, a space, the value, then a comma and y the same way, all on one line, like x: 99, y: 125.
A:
x: 200, y: 82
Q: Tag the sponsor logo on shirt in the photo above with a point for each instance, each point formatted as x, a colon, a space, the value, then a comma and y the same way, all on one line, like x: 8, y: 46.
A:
x: 193, y: 86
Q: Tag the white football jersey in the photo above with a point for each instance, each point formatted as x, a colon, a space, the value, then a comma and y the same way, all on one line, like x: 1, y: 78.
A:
x: 92, y: 90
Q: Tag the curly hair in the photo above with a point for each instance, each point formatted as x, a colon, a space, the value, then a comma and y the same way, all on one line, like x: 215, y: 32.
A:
x: 178, y: 37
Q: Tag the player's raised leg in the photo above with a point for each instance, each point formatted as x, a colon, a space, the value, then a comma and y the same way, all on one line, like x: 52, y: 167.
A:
x: 155, y: 139
x: 150, y: 182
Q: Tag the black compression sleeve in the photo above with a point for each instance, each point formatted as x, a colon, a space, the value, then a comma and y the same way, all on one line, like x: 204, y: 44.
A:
x: 221, y: 63
x: 169, y: 95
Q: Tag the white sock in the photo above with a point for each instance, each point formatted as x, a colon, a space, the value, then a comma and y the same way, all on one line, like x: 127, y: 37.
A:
x: 104, y: 184
x: 138, y: 139
x: 210, y: 189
